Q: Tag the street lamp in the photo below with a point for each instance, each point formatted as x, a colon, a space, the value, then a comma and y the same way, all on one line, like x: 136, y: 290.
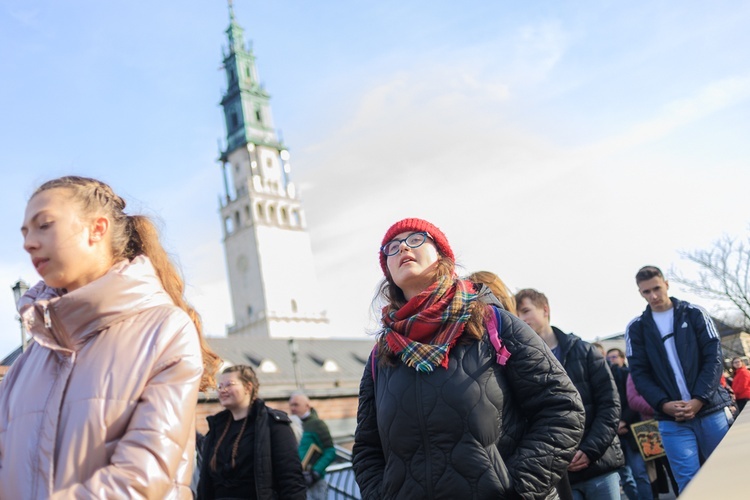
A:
x: 20, y: 287
x: 293, y: 350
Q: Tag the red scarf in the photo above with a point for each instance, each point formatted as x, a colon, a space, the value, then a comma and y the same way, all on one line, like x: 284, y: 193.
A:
x: 425, y: 329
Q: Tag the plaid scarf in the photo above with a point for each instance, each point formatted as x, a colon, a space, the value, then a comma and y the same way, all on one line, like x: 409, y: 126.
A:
x: 425, y: 329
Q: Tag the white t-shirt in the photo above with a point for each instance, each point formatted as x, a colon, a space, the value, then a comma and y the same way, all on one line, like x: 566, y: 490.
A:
x: 665, y: 323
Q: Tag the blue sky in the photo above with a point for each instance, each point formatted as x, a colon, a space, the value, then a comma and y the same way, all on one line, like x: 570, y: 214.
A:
x: 559, y: 144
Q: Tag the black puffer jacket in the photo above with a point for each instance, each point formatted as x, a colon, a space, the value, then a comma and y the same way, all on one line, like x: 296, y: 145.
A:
x: 589, y: 372
x: 474, y: 430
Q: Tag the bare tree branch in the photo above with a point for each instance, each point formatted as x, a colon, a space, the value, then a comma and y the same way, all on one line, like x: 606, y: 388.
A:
x: 724, y: 275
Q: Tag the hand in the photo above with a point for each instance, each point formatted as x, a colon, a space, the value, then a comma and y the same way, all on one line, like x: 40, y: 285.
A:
x: 580, y: 462
x: 672, y: 408
x: 622, y: 428
x: 691, y: 408
x: 311, y: 477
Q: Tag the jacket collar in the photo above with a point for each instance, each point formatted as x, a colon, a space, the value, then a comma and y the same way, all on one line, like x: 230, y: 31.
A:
x: 66, y: 321
x: 677, y: 305
x: 565, y: 341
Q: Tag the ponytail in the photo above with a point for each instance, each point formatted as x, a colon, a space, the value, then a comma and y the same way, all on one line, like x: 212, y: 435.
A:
x: 144, y: 240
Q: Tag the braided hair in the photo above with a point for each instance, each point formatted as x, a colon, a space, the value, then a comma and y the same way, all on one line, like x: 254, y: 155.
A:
x: 247, y: 376
x: 134, y: 235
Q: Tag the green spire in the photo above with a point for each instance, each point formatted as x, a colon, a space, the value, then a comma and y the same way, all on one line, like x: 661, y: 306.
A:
x: 247, y: 110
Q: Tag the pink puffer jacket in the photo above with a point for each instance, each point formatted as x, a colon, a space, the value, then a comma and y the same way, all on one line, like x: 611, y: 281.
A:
x: 102, y: 404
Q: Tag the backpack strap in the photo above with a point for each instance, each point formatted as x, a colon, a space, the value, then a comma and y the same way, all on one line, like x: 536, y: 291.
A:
x: 494, y: 325
x: 373, y: 355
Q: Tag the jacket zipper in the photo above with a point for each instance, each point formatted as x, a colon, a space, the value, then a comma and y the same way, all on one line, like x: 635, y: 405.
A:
x: 425, y: 438
x: 57, y: 333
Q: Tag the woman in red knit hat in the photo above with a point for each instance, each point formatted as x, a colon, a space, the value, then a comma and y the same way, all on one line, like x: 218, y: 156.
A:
x: 459, y: 399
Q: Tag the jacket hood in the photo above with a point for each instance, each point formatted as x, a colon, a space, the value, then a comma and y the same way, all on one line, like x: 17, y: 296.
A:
x: 65, y: 321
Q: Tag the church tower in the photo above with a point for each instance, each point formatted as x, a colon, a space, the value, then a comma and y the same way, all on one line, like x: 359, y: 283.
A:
x: 269, y: 259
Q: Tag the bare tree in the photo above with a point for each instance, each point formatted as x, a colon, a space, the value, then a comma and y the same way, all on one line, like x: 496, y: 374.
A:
x: 724, y: 276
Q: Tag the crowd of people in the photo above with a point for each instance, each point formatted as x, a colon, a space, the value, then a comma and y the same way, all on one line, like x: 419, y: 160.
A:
x: 556, y: 414
x: 469, y: 391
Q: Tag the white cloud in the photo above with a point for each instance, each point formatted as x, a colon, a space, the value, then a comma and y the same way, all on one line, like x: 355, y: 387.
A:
x: 714, y: 97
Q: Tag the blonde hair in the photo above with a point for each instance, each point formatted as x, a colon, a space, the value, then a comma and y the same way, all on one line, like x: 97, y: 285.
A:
x: 498, y: 288
x: 134, y: 235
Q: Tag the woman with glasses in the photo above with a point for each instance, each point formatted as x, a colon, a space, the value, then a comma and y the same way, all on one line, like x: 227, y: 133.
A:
x: 250, y: 451
x: 459, y: 399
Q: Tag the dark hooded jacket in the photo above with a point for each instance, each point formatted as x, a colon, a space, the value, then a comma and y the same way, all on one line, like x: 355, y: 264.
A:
x: 590, y: 374
x: 477, y: 429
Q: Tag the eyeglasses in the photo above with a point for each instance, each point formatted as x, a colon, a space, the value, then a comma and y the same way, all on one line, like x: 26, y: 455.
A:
x: 414, y: 240
x: 222, y: 387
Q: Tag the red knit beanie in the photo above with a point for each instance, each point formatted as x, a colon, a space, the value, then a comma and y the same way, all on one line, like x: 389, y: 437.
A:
x: 416, y: 225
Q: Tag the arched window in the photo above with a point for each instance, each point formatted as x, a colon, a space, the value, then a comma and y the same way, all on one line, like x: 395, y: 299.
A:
x: 271, y: 214
x: 261, y: 213
x: 237, y: 219
x: 295, y: 218
x: 284, y: 218
x: 228, y: 225
x: 294, y: 306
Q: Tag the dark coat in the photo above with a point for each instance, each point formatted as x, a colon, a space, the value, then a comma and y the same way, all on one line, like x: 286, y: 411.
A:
x: 699, y: 349
x: 589, y: 372
x: 276, y: 464
x: 474, y: 430
x: 627, y: 414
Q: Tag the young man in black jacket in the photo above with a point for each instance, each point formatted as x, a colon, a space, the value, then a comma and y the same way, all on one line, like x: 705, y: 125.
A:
x: 593, y: 471
x: 675, y: 359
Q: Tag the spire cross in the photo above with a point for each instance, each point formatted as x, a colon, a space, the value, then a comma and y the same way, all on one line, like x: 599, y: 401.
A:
x: 231, y: 9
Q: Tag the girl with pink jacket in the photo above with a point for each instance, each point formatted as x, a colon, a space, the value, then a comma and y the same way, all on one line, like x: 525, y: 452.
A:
x: 102, y: 403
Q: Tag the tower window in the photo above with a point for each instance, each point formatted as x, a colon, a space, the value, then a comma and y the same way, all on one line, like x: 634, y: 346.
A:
x: 294, y: 306
x: 283, y: 216
x: 269, y: 163
x: 272, y: 213
x: 249, y: 311
x: 247, y: 212
x: 233, y: 119
x: 237, y: 219
x: 260, y: 211
x: 257, y: 115
x: 228, y: 225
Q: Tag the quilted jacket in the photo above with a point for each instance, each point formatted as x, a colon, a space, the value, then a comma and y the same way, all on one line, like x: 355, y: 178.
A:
x: 589, y: 372
x: 102, y: 403
x: 477, y: 429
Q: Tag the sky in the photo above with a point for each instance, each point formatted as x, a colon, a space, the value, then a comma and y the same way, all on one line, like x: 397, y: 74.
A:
x: 561, y: 145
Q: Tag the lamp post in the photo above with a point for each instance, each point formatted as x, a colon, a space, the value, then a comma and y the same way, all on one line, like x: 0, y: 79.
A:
x: 20, y: 287
x: 293, y: 350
